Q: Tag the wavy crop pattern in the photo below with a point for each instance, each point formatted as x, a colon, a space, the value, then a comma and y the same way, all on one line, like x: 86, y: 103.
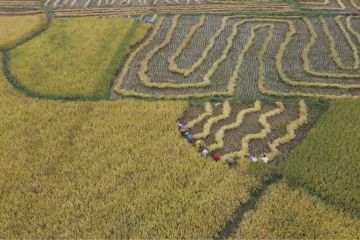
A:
x: 219, y: 136
x: 290, y: 131
x: 260, y: 135
x: 208, y: 112
x: 221, y: 65
x: 211, y: 121
x: 257, y: 130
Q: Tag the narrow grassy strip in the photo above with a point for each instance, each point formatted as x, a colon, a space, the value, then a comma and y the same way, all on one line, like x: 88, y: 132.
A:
x: 211, y: 121
x: 208, y: 112
x: 290, y: 131
x: 263, y: 120
x: 172, y: 60
x: 219, y: 136
x: 167, y: 10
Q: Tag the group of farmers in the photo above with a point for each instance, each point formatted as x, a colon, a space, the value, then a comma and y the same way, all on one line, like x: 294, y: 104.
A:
x: 200, y: 145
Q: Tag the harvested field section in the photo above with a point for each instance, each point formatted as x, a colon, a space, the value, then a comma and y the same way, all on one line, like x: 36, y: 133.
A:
x: 337, y: 5
x: 286, y: 86
x: 195, y: 50
x: 287, y: 213
x: 322, y: 68
x: 249, y: 129
x: 246, y: 45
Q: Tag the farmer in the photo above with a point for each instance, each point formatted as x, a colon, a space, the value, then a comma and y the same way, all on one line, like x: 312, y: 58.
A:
x: 183, y: 130
x: 265, y: 159
x: 200, y: 144
x: 204, y: 152
x: 230, y: 161
x: 215, y: 156
x: 180, y: 125
x: 189, y: 137
x: 253, y: 158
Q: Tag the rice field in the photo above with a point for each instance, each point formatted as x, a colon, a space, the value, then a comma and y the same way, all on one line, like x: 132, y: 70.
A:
x: 284, y: 212
x: 90, y: 104
x: 96, y: 169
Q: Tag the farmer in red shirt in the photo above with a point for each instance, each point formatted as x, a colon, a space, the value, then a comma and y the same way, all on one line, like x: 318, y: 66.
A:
x: 215, y: 156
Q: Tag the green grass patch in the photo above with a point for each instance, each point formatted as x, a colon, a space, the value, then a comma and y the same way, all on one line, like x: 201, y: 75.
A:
x: 328, y: 161
x: 75, y: 57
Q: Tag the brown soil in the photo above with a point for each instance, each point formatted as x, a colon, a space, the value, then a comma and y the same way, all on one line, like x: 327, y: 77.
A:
x: 250, y: 125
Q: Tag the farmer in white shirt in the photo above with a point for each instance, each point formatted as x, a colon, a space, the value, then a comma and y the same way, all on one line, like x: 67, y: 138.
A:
x: 253, y: 158
x: 204, y: 152
x: 265, y: 159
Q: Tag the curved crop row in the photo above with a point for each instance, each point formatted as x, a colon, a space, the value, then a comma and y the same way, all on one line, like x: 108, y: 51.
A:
x: 307, y: 51
x: 208, y: 112
x: 232, y: 83
x: 345, y: 30
x: 187, y: 71
x: 134, y: 53
x: 339, y: 2
x: 172, y: 64
x: 245, y: 141
x: 351, y: 29
x: 145, y: 80
x: 334, y: 53
x: 211, y: 121
x: 262, y: 81
x: 172, y: 60
x: 279, y: 58
x: 219, y: 136
x: 290, y: 131
x: 235, y: 74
